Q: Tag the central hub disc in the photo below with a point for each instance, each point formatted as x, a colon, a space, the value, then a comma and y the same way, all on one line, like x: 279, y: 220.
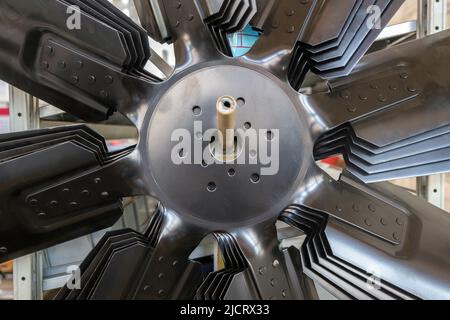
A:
x: 266, y: 172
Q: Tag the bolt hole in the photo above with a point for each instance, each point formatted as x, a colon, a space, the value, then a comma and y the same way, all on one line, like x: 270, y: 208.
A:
x: 181, y: 153
x: 23, y: 278
x: 232, y: 172
x: 19, y: 114
x: 240, y: 102
x: 212, y: 187
x: 196, y: 110
x: 247, y: 125
x: 255, y: 178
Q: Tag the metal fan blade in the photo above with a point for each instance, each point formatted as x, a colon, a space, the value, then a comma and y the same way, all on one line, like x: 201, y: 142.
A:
x: 400, y: 89
x: 364, y: 239
x: 282, y: 22
x: 184, y: 22
x: 333, y: 51
x: 152, y: 17
x: 62, y: 183
x: 167, y: 272
x: 268, y: 264
x: 89, y: 67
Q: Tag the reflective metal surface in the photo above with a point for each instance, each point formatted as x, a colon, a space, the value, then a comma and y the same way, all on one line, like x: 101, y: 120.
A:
x: 389, y: 118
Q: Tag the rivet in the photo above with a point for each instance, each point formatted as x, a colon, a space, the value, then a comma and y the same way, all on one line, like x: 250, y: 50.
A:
x: 45, y: 64
x: 109, y: 79
x: 85, y: 192
x: 404, y: 75
x: 62, y: 64
x: 273, y: 282
x: 338, y: 208
x: 161, y: 275
x: 275, y: 263
x: 395, y: 236
x: 175, y: 263
x: 53, y: 203
x: 74, y: 79
x: 160, y: 259
x: 104, y: 94
x: 161, y: 293
x: 304, y: 1
x: 290, y: 12
x: 66, y: 190
x: 290, y: 29
x: 399, y: 221
x: 355, y: 207
x: 362, y: 97
x: 262, y: 270
x: 104, y: 194
x: 91, y: 79
x: 178, y: 5
x: 352, y: 109
x: 3, y: 250
x: 381, y: 98
x: 97, y: 180
x: 372, y: 207
x: 373, y: 86
x: 190, y: 17
x: 146, y: 288
x: 177, y: 24
x: 383, y: 222
x: 34, y: 202
x: 42, y: 214
x: 411, y: 89
x: 283, y: 293
x: 73, y: 204
x: 367, y: 222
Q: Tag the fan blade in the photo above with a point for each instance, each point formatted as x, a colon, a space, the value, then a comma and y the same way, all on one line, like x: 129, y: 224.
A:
x: 333, y: 51
x: 56, y: 185
x: 52, y: 50
x: 380, y: 232
x: 402, y: 89
x: 167, y: 272
x: 282, y: 22
x: 267, y: 263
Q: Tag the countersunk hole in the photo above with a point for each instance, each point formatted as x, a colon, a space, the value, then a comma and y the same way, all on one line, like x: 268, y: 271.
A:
x: 253, y: 153
x: 232, y: 172
x: 255, y: 178
x: 196, y: 110
x: 240, y: 102
x: 269, y: 135
x: 211, y: 187
x: 247, y: 125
